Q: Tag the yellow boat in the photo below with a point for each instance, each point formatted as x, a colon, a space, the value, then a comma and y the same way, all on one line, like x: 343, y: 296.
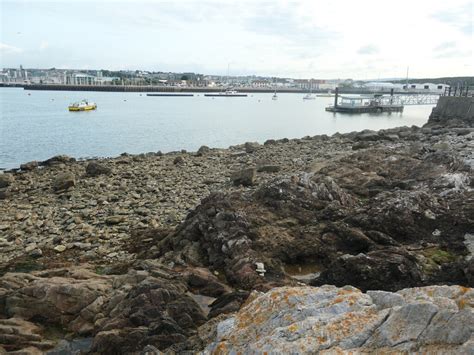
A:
x: 84, y: 105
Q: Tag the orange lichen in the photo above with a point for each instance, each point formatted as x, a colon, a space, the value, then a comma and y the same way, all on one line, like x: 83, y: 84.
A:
x: 221, y: 349
x: 322, y: 339
x: 293, y: 328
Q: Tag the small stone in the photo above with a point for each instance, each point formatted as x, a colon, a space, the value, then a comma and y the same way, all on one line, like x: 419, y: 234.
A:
x: 60, y: 248
x: 111, y: 220
x: 36, y: 253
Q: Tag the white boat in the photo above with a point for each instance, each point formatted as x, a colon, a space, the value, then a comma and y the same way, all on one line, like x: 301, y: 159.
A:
x: 275, y: 97
x: 309, y: 97
x: 329, y: 94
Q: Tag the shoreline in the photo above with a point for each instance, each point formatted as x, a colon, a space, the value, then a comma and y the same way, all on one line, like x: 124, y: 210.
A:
x: 197, y: 89
x: 170, y: 252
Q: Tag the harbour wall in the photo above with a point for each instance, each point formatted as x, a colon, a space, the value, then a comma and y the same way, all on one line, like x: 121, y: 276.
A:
x: 453, y: 109
x: 150, y: 88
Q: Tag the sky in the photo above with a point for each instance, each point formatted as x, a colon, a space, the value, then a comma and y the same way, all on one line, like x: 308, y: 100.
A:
x: 361, y: 39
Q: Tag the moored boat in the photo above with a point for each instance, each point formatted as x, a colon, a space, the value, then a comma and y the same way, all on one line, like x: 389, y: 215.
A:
x: 83, y: 105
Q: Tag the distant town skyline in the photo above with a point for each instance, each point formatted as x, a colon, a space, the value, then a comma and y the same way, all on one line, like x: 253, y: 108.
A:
x: 300, y: 39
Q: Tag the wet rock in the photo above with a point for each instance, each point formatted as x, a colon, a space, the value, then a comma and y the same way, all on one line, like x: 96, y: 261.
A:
x: 204, y: 149
x: 96, y: 169
x: 268, y: 168
x: 370, y: 271
x: 61, y: 298
x: 64, y: 181
x: 29, y: 166
x: 57, y: 160
x: 251, y: 147
x: 6, y: 180
x: 244, y: 177
x: 361, y: 145
x: 155, y: 312
x: 111, y: 220
x: 22, y: 336
x: 179, y: 160
x: 367, y: 136
x: 4, y: 194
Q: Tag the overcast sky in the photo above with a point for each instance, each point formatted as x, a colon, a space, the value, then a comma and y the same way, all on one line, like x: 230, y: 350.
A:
x: 359, y: 39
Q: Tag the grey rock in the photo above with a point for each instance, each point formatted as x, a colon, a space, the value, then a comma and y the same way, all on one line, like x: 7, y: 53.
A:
x: 404, y: 324
x: 269, y: 142
x: 204, y: 149
x: 367, y: 136
x: 251, y: 147
x: 29, y: 166
x: 244, y: 177
x: 269, y: 168
x: 96, y: 169
x: 57, y: 160
x: 384, y: 299
x: 179, y: 160
x: 6, y: 180
x: 64, y: 181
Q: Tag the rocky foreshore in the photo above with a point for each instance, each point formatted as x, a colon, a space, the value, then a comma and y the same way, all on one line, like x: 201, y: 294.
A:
x: 213, y: 251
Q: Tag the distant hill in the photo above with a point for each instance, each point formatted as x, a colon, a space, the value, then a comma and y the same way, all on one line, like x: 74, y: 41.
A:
x: 452, y: 80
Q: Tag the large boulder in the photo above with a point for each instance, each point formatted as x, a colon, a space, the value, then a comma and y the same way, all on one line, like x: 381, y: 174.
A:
x: 64, y: 181
x: 331, y: 320
x: 57, y: 160
x: 29, y: 166
x: 6, y: 180
x: 245, y: 177
x: 96, y: 169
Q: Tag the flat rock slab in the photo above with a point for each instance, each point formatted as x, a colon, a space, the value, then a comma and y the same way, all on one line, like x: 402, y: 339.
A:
x: 308, y: 320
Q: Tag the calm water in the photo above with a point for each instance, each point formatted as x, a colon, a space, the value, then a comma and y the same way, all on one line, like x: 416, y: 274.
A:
x: 38, y: 126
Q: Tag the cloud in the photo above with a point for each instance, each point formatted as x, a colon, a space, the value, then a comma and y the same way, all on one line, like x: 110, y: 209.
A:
x: 368, y: 49
x: 459, y: 17
x: 445, y: 45
x: 43, y: 45
x: 451, y: 49
x: 7, y: 49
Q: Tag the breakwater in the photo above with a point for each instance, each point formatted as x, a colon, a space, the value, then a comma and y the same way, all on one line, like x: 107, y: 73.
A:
x: 152, y: 88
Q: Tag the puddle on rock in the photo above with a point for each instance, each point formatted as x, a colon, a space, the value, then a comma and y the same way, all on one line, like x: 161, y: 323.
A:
x: 303, y: 272
x: 203, y: 302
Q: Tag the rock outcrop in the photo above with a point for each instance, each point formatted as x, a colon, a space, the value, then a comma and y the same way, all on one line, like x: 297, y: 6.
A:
x: 377, y: 219
x: 329, y: 320
x: 158, y: 252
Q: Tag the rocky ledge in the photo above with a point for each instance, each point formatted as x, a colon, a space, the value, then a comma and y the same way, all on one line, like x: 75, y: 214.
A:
x: 232, y: 250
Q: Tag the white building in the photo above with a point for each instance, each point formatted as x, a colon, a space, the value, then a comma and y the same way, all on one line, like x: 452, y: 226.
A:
x: 427, y: 87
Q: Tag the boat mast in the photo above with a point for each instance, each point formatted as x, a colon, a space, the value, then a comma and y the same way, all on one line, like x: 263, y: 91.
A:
x: 407, y: 78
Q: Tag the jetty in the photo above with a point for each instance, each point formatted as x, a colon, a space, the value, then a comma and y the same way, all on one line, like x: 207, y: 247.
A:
x: 171, y: 95
x: 376, y: 103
